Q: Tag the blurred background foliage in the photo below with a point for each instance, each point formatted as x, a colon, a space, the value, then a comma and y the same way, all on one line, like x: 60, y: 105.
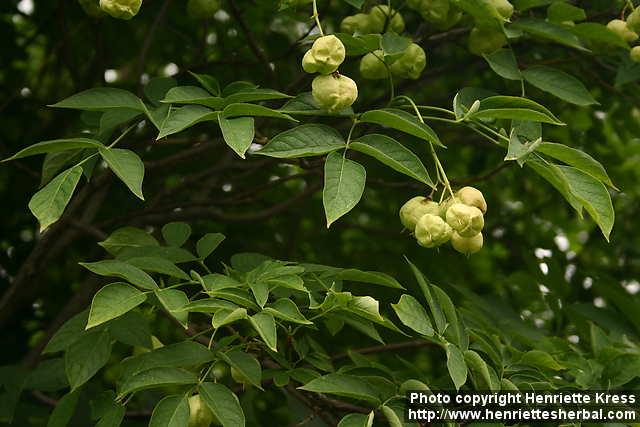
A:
x: 540, y: 261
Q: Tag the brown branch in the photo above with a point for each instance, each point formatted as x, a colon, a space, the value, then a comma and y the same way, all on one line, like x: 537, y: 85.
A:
x: 387, y: 347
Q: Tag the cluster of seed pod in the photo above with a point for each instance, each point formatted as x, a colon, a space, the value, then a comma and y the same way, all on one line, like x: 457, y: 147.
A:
x: 459, y: 219
x: 628, y: 30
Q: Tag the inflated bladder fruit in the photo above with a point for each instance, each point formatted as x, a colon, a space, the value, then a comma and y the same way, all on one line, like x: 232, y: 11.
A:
x: 634, y: 54
x: 466, y: 220
x: 334, y: 92
x: 472, y: 197
x: 503, y: 7
x: 620, y: 27
x: 432, y: 231
x: 372, y: 67
x: 203, y: 9
x: 633, y: 20
x: 416, y: 208
x: 382, y: 19
x: 411, y: 64
x: 486, y: 40
x: 358, y: 23
x: 121, y: 9
x: 325, y: 56
x: 91, y: 8
x: 466, y: 245
x: 431, y: 10
x: 199, y: 414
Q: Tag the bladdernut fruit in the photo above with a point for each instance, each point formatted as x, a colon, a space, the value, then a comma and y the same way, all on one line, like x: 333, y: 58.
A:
x: 503, y: 7
x: 414, y: 209
x: 633, y: 20
x: 379, y: 16
x: 472, y: 197
x: 203, y: 9
x: 620, y: 27
x: 199, y: 414
x: 121, y: 9
x: 358, y: 23
x: 325, y: 56
x: 467, y: 221
x: 334, y: 93
x: 432, y: 231
x: 372, y: 67
x: 411, y: 64
x: 634, y: 54
x: 485, y: 40
x: 467, y: 245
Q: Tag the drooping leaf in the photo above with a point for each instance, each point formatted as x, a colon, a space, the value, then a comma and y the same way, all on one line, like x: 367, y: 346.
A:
x: 85, y: 357
x: 182, y: 118
x: 127, y: 166
x: 223, y: 403
x: 101, y: 99
x: 265, y: 325
x: 576, y: 158
x: 48, y: 204
x: 115, y: 268
x: 238, y: 133
x: 246, y: 365
x: 208, y: 243
x: 171, y: 411
x: 560, y: 84
x: 344, y: 182
x: 176, y: 233
x: 456, y: 365
x: 413, y: 315
x: 503, y: 63
x: 112, y: 301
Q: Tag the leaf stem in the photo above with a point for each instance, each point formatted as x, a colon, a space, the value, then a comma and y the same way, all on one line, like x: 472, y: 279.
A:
x: 317, y: 17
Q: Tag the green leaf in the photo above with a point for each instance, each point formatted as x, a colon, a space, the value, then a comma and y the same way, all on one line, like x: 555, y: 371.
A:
x: 287, y: 310
x: 238, y: 86
x: 226, y: 316
x: 484, y: 13
x: 594, y: 197
x: 265, y: 325
x: 393, y: 154
x: 503, y: 63
x: 238, y: 133
x: 208, y: 305
x: 357, y: 420
x: 223, y: 403
x: 68, y: 333
x: 85, y: 357
x: 127, y: 166
x: 560, y: 84
x: 113, y: 416
x: 64, y: 410
x: 548, y: 31
x: 391, y: 416
x: 599, y: 33
x: 393, y: 44
x: 553, y: 174
x: 540, y: 359
x: 253, y: 110
x: 157, y: 88
x: 456, y: 365
x: 246, y: 365
x: 208, y: 243
x: 176, y: 233
x: 173, y: 300
x: 158, y: 265
x: 560, y: 12
x: 455, y: 330
x: 576, y: 158
x: 132, y: 329
x: 344, y: 182
x: 479, y: 371
x: 372, y: 277
x: 185, y: 354
x: 182, y: 118
x: 192, y: 95
x: 402, y: 121
x: 350, y: 386
x: 113, y: 301
x: 514, y: 108
x: 115, y: 268
x: 260, y: 291
x: 254, y: 95
x: 55, y: 146
x: 434, y: 305
x: 412, y: 314
x: 171, y: 411
x: 156, y: 378
x: 101, y: 99
x: 303, y: 141
x: 518, y: 150
x: 208, y: 82
x: 48, y: 204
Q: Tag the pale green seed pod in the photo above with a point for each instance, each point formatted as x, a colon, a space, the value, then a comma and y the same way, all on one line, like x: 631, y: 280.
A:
x: 199, y: 414
x: 414, y: 209
x: 372, y: 67
x: 634, y: 54
x: 432, y: 231
x: 467, y: 245
x: 203, y: 9
x: 411, y: 64
x: 121, y: 9
x: 486, y: 40
x: 466, y: 220
x: 446, y: 204
x: 358, y: 23
x: 472, y: 197
x: 334, y: 93
x: 379, y: 16
x: 503, y: 7
x: 92, y: 8
x: 619, y: 27
x: 325, y: 56
x: 633, y: 20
